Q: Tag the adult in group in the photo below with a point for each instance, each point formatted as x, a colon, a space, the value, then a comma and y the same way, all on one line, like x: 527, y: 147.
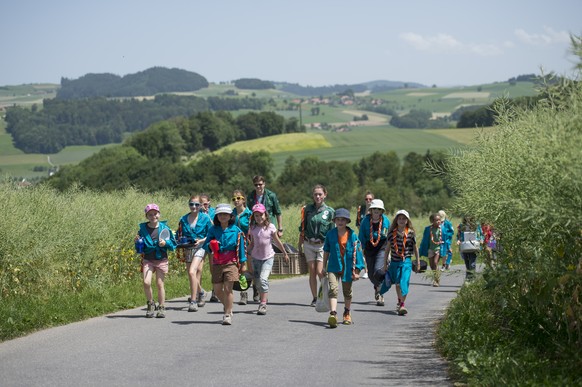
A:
x: 242, y: 216
x: 373, y: 235
x: 364, y: 208
x: 193, y: 227
x: 468, y: 230
x: 448, y: 233
x: 268, y: 199
x: 316, y: 221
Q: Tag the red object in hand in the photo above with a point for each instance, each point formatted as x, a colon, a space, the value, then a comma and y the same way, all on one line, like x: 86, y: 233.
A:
x: 214, y: 246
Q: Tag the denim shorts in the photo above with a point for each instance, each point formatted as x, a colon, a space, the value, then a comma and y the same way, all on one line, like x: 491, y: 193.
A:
x: 190, y: 254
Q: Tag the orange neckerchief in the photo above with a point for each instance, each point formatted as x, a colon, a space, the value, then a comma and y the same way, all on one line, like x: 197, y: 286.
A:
x: 375, y: 243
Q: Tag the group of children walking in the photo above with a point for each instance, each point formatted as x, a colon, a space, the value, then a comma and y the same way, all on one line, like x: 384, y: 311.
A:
x: 381, y: 249
x: 227, y: 237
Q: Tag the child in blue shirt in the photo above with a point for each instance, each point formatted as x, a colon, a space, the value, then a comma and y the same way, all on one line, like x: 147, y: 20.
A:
x: 155, y: 257
x: 342, y: 261
x: 226, y: 243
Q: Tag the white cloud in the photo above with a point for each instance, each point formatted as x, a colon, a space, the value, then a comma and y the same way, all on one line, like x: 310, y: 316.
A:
x: 445, y: 42
x: 549, y: 36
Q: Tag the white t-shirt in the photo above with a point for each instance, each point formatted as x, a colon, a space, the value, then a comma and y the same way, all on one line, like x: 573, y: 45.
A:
x: 262, y: 247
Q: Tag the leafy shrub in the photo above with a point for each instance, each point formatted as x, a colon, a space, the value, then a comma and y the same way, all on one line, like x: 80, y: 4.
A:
x: 525, y: 178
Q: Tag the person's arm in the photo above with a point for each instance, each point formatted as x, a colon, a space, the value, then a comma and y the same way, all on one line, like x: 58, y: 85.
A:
x: 281, y: 246
x: 323, y: 271
x: 279, y: 226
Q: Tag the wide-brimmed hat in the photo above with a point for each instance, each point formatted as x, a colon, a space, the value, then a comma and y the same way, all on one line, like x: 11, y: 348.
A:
x: 377, y: 203
x: 403, y: 212
x: 342, y: 213
x: 223, y: 208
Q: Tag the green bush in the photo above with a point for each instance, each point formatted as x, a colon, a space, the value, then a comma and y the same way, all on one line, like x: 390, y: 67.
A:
x: 523, y: 323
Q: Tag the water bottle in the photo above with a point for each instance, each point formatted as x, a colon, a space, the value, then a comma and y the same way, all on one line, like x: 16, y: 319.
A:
x: 139, y: 244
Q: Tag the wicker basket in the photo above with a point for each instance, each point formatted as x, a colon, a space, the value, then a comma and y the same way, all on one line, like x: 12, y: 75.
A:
x: 297, y: 264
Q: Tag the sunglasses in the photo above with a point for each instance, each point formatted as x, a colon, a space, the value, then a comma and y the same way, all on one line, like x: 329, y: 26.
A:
x: 194, y: 204
x: 259, y: 185
x: 235, y: 198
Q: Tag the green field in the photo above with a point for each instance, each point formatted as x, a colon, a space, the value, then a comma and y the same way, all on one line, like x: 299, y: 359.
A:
x: 359, y: 142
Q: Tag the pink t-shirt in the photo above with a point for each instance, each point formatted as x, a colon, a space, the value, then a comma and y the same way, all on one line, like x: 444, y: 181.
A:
x: 262, y: 247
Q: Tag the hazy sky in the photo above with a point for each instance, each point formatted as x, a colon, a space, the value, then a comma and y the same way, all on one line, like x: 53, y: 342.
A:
x: 310, y: 42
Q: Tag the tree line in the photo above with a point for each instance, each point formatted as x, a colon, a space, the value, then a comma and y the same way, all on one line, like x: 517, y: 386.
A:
x: 99, y: 121
x: 159, y: 159
x: 148, y: 82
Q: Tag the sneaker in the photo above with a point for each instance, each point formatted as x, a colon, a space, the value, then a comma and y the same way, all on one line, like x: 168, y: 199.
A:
x: 447, y: 267
x: 262, y: 309
x: 201, y: 299
x: 435, y: 284
x: 402, y: 310
x: 443, y: 268
x: 192, y: 307
x: 365, y: 275
x: 313, y: 302
x: 376, y: 295
x: 244, y: 298
x: 161, y: 311
x: 347, y: 318
x: 380, y: 300
x: 256, y: 296
x: 332, y: 320
x: 398, y: 305
x: 227, y: 319
x: 151, y: 308
x: 213, y: 297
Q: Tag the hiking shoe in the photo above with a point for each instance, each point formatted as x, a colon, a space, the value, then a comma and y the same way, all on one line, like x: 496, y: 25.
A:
x: 262, y: 309
x: 161, y: 311
x: 201, y: 299
x: 244, y: 298
x: 151, y: 308
x: 227, y: 319
x: 402, y: 310
x: 213, y: 297
x: 332, y: 320
x: 447, y: 267
x: 347, y: 318
x: 380, y: 300
x: 192, y: 307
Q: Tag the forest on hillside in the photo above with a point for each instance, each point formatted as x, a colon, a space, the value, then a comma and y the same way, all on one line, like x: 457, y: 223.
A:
x: 148, y: 82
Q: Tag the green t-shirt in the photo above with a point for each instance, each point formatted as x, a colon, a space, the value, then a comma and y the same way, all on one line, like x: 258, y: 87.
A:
x: 317, y: 221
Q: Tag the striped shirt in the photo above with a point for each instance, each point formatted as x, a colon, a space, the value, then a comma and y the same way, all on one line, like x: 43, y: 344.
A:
x: 409, y: 248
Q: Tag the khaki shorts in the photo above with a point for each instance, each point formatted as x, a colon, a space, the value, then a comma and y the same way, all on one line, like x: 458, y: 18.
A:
x: 313, y: 251
x: 334, y: 279
x: 224, y: 273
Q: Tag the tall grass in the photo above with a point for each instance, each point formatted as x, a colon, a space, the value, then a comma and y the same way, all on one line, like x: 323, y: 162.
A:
x: 522, y: 324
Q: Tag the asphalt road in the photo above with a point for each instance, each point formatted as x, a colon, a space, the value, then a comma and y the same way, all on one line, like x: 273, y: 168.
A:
x: 290, y: 346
